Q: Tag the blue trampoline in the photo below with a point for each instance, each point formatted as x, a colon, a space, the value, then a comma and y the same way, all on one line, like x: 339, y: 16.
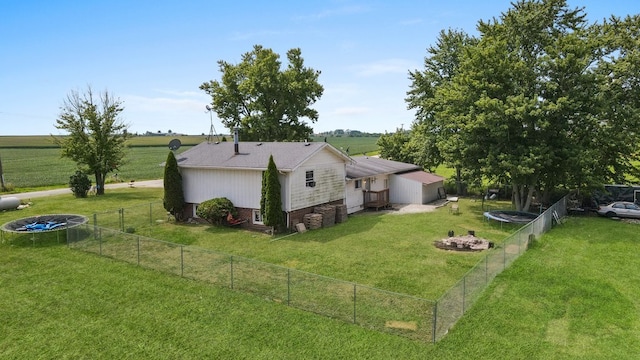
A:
x: 44, y: 223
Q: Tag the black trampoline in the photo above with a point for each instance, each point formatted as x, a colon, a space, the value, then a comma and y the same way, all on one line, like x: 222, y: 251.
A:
x: 511, y: 216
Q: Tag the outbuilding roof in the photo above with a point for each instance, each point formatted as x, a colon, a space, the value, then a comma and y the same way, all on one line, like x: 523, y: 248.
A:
x: 365, y: 166
x: 253, y: 155
x: 422, y: 176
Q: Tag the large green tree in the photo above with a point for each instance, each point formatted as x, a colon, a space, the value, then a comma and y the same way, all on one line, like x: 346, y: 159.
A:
x: 96, y: 133
x: 271, y: 201
x: 265, y: 102
x: 542, y: 100
x: 433, y: 140
x: 173, y: 194
x: 617, y: 142
x: 395, y: 146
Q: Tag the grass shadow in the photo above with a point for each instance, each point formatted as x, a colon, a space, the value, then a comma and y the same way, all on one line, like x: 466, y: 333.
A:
x: 34, y: 239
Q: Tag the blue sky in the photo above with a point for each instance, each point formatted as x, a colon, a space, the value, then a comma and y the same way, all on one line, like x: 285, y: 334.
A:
x: 154, y: 55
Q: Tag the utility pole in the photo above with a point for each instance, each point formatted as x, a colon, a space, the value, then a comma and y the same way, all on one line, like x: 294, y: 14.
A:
x: 2, y: 187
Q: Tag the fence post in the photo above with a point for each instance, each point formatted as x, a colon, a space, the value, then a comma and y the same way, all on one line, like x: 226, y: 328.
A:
x: 95, y: 225
x: 138, y: 246
x: 464, y: 292
x: 181, y: 260
x: 354, y: 303
x: 122, y: 216
x: 150, y: 213
x: 100, y: 239
x: 486, y: 269
x: 231, y: 271
x: 435, y: 322
x: 288, y: 287
x: 504, y: 255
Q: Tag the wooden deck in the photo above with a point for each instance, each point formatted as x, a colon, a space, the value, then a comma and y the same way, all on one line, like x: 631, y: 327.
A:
x: 376, y: 199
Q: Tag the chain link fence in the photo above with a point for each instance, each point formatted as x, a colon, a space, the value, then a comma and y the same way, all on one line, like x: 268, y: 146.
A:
x: 368, y: 307
x: 400, y: 314
x: 453, y: 304
x: 131, y: 218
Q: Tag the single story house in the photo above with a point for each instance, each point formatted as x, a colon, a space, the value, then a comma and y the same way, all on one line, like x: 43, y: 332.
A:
x: 377, y: 183
x: 310, y: 174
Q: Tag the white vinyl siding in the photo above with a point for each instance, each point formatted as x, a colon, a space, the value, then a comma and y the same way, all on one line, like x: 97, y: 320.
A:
x: 329, y: 177
x: 242, y: 187
x: 354, y: 196
x: 407, y: 191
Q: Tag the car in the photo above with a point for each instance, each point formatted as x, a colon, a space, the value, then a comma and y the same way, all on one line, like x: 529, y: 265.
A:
x: 624, y: 209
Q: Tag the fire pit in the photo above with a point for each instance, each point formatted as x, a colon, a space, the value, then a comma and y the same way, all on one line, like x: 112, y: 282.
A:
x: 463, y: 243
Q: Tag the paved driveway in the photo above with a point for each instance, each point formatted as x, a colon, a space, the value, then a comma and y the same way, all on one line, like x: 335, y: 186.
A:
x: 35, y: 194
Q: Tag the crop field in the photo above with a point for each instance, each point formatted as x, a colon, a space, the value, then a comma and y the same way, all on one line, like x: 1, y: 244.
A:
x: 27, y: 168
x: 30, y: 162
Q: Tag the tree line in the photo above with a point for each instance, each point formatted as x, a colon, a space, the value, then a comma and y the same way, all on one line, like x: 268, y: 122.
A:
x: 541, y: 99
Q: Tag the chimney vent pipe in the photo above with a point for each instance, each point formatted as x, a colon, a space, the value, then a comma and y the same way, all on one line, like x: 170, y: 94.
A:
x: 235, y: 141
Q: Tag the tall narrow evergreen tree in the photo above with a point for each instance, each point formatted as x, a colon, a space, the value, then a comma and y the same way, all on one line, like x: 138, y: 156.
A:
x: 271, y: 201
x: 173, y: 195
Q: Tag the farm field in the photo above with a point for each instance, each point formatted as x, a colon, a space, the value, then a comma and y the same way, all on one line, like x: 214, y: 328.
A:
x: 32, y: 162
x: 568, y: 297
x: 31, y: 168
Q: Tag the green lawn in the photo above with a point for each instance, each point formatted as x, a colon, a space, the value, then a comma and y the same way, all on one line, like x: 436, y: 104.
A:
x: 573, y: 295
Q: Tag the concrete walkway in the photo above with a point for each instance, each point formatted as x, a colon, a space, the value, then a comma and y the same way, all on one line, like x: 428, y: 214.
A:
x: 36, y: 194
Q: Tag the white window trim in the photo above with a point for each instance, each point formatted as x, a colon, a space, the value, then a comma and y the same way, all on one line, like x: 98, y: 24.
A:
x: 255, y: 213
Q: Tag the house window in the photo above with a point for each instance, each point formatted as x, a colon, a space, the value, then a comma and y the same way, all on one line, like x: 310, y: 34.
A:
x: 257, y: 217
x: 309, y: 179
x: 358, y: 184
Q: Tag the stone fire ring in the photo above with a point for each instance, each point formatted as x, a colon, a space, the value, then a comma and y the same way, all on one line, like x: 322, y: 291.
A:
x: 44, y: 223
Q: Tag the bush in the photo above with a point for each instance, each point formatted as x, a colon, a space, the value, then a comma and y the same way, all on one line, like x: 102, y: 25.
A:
x: 215, y: 210
x: 173, y: 194
x: 8, y: 187
x: 79, y: 184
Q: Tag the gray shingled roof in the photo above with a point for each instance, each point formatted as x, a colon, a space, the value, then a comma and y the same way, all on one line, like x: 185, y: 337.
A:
x: 364, y: 166
x: 423, y: 177
x: 252, y: 155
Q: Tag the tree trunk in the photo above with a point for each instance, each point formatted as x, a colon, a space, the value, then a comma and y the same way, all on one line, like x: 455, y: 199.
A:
x: 459, y: 181
x: 2, y: 186
x: 522, y: 196
x: 99, y: 183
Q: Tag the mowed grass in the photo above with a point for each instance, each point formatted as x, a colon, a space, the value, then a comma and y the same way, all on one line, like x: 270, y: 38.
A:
x: 573, y: 295
x: 367, y: 249
x: 382, y: 250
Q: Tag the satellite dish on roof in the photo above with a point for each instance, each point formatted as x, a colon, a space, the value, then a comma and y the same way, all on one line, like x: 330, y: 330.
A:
x: 174, y: 144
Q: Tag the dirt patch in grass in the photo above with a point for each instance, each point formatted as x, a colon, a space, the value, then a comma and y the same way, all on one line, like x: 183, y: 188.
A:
x: 403, y: 325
